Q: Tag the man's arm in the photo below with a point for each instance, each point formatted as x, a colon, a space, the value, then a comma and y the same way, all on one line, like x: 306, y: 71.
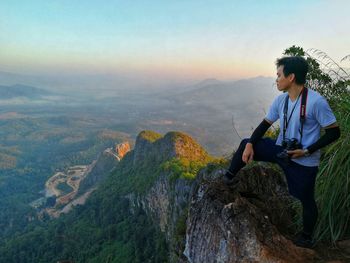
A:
x: 332, y: 133
x: 258, y: 133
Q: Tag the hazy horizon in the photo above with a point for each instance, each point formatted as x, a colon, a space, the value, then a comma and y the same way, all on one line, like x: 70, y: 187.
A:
x: 103, y: 82
x: 164, y: 42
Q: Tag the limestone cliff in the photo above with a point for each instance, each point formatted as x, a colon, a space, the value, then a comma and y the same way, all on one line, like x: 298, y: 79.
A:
x: 166, y: 201
x: 121, y: 149
x: 103, y: 166
x: 174, y: 144
x: 245, y: 223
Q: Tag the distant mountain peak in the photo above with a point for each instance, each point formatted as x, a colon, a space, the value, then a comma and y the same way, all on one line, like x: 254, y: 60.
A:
x: 149, y: 136
x: 152, y: 145
x: 208, y: 82
x: 20, y: 90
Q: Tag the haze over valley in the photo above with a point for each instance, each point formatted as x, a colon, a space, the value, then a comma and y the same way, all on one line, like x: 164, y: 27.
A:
x: 205, y: 110
x: 46, y: 130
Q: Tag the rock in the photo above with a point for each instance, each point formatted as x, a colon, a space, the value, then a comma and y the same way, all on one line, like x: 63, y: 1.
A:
x: 121, y: 149
x: 166, y: 203
x: 98, y: 172
x: 153, y: 146
x: 242, y: 224
x: 143, y: 146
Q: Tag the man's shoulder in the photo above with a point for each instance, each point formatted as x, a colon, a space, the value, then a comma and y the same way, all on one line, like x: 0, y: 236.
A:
x: 314, y: 95
x: 318, y: 104
x: 281, y: 98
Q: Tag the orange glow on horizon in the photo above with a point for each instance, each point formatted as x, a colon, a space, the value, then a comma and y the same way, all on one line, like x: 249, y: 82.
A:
x: 40, y: 62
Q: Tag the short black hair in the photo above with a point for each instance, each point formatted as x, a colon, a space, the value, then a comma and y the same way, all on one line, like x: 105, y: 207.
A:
x: 297, y: 65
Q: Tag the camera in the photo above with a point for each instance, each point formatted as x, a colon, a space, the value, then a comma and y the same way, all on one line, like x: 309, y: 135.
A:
x: 288, y: 145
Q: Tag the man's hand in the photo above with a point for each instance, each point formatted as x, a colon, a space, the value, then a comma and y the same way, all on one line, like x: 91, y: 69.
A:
x: 296, y: 153
x: 248, y: 153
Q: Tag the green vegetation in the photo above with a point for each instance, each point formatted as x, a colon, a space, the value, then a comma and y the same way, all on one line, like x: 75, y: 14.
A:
x: 111, y: 226
x: 183, y: 168
x: 129, y: 178
x: 325, y: 75
x: 150, y: 136
x: 333, y: 184
x: 104, y: 230
x: 33, y: 148
x: 175, y: 136
x: 138, y: 178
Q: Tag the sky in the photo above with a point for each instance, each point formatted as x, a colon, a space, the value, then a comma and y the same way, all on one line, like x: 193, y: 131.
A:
x: 183, y: 38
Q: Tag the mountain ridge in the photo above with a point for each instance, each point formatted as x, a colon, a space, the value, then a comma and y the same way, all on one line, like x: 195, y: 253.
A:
x: 19, y: 90
x: 171, y: 145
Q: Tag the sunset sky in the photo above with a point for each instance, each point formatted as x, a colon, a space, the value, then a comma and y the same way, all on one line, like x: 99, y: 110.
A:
x: 201, y: 39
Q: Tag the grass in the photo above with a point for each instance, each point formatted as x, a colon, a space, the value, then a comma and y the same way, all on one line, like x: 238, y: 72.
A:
x: 333, y: 183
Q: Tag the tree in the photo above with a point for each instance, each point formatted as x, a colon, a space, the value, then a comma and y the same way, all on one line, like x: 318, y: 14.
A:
x: 325, y: 75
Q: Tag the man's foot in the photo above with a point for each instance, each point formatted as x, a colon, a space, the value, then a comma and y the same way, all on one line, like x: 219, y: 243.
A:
x: 304, y: 240
x: 229, y: 179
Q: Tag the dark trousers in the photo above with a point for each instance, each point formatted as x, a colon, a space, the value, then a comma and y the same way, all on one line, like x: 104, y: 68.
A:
x: 300, y: 179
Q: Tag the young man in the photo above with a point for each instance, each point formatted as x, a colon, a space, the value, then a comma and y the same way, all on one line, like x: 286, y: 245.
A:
x: 299, y: 159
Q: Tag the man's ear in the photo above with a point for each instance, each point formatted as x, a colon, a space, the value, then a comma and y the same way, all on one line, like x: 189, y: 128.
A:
x: 291, y: 77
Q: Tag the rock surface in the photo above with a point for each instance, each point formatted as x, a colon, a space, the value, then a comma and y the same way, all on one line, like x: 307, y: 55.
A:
x: 151, y: 145
x: 103, y: 166
x: 167, y: 200
x: 121, y: 149
x: 242, y: 223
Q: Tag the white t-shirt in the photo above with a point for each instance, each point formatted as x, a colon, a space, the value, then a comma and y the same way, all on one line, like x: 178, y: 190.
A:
x: 318, y: 114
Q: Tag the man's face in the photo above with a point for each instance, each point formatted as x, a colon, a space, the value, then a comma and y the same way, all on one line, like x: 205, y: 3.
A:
x: 283, y: 82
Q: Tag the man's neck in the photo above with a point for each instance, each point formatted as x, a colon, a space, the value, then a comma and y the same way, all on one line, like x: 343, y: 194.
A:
x: 294, y: 91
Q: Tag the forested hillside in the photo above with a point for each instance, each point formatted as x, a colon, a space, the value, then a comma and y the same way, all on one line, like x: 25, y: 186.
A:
x: 117, y: 224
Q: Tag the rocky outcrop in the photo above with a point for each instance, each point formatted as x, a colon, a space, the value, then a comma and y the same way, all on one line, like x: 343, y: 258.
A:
x: 144, y: 145
x: 151, y: 145
x: 103, y: 166
x: 121, y: 149
x: 245, y: 223
x: 166, y: 201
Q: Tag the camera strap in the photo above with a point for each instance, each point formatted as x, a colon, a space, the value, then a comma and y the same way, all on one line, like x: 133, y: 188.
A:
x: 303, y: 112
x: 286, y: 120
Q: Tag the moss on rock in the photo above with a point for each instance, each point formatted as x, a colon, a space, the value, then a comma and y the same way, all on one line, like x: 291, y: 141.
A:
x: 150, y: 136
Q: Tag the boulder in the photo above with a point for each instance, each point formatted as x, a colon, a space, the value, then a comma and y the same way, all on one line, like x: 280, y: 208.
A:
x: 247, y: 222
